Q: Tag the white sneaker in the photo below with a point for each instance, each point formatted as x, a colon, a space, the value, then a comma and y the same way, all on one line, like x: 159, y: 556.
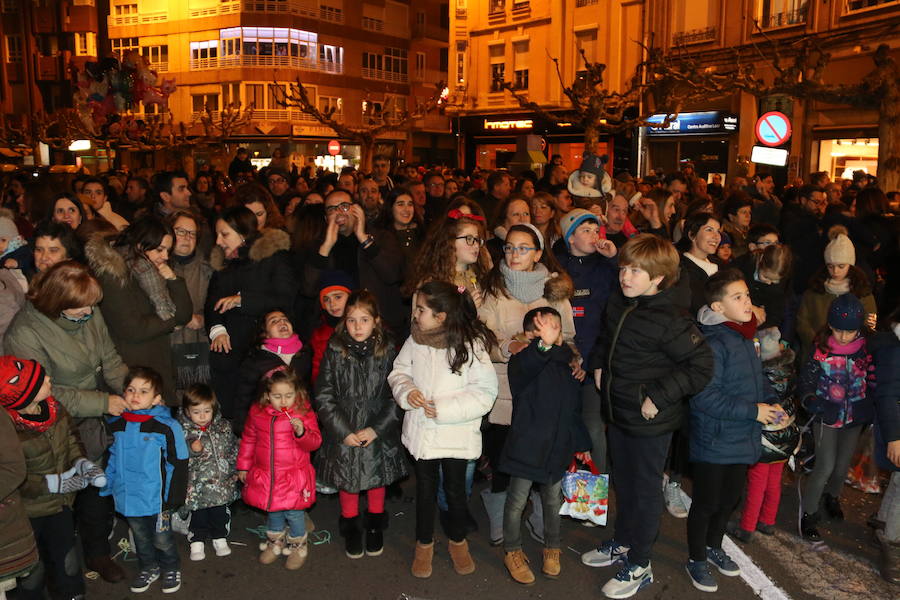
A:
x: 608, y: 553
x: 221, y: 547
x: 628, y: 581
x: 198, y: 551
x: 674, y: 501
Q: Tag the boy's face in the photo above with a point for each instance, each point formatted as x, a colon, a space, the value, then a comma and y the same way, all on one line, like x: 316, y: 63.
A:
x: 140, y: 394
x: 532, y: 334
x: 770, y: 239
x: 587, y: 179
x: 635, y: 282
x: 583, y: 240
x: 335, y: 302
x: 43, y: 394
x: 735, y: 304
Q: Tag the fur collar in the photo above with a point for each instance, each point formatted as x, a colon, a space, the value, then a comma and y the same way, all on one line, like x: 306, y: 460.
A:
x: 859, y: 282
x: 104, y: 260
x: 269, y: 242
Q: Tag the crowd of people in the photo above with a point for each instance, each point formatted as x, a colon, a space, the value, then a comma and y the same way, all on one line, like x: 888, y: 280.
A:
x: 174, y: 344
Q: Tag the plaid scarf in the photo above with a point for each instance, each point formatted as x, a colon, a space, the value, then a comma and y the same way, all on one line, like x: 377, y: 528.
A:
x: 151, y: 283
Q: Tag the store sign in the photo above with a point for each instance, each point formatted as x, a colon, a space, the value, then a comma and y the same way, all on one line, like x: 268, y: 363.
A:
x: 516, y: 124
x: 762, y: 155
x: 334, y: 147
x: 773, y: 129
x: 694, y: 123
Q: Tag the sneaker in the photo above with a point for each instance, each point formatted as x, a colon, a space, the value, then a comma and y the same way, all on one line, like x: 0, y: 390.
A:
x: 198, y: 551
x: 701, y: 576
x: 608, y: 553
x: 808, y: 527
x: 628, y: 581
x: 142, y: 582
x: 220, y: 545
x: 722, y: 562
x: 765, y: 529
x: 171, y: 582
x: 674, y: 501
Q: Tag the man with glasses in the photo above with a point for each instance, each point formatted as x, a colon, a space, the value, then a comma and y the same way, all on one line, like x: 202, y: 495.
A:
x: 435, y: 204
x: 279, y: 184
x: 801, y: 229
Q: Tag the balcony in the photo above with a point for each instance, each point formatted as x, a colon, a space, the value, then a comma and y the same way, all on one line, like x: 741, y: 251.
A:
x: 382, y: 75
x: 783, y: 19
x: 160, y: 67
x: 138, y: 19
x: 284, y: 114
x: 695, y: 36
x: 372, y: 24
x: 224, y: 8
x: 247, y: 60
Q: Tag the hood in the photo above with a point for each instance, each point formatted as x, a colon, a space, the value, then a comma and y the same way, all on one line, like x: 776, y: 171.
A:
x: 708, y: 317
x: 104, y: 260
x: 559, y: 287
x: 267, y: 244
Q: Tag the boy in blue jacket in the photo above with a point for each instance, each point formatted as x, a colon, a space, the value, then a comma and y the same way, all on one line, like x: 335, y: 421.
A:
x: 726, y: 418
x: 143, y: 492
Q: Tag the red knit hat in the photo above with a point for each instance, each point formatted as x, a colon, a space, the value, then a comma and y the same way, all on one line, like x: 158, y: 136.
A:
x: 20, y: 381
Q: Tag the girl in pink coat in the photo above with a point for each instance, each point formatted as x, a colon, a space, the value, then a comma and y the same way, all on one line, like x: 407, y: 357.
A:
x: 274, y: 464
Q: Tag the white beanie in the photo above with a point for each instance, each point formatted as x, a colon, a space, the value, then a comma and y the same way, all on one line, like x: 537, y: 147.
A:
x: 840, y: 251
x: 8, y: 228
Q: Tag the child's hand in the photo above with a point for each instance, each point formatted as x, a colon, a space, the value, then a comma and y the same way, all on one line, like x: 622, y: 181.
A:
x: 649, y: 410
x: 416, y: 399
x: 548, y: 328
x: 242, y: 475
x: 893, y: 452
x: 871, y: 320
x: 366, y: 436
x: 431, y: 410
x: 11, y: 263
x: 197, y: 446
x: 221, y: 343
x: 297, y: 424
x: 606, y: 248
x: 477, y: 298
x: 577, y: 372
x: 767, y: 413
x: 352, y: 440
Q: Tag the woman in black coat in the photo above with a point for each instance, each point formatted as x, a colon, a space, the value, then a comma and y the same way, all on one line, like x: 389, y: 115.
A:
x: 256, y: 277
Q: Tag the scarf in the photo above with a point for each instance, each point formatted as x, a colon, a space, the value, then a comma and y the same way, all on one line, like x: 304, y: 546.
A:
x: 290, y: 345
x: 525, y: 286
x: 837, y: 288
x: 747, y: 330
x: 38, y: 423
x: 845, y: 349
x: 436, y: 338
x: 152, y: 284
x: 361, y: 349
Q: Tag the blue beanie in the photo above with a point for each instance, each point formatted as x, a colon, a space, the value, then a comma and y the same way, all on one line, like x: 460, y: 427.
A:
x: 846, y: 313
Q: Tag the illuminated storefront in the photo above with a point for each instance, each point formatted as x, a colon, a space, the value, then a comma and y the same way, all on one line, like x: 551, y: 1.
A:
x: 841, y: 156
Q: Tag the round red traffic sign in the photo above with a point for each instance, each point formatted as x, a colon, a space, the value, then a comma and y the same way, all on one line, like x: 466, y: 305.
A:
x: 334, y: 147
x: 773, y: 129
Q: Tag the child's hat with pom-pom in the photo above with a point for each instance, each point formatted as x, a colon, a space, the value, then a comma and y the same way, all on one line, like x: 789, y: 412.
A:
x: 840, y: 250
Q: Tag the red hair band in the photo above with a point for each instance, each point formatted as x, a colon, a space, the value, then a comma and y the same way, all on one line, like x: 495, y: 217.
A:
x: 458, y: 214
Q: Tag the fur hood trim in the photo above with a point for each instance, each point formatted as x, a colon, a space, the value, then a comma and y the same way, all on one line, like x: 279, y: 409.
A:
x: 104, y: 260
x: 559, y: 287
x: 269, y: 242
x: 859, y: 282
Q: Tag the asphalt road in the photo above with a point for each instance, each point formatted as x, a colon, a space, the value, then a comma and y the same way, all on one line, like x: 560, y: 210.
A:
x: 843, y: 571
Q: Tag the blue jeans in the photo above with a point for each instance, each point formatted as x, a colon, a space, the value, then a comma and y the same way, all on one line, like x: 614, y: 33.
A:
x: 155, y: 549
x: 296, y: 519
x: 470, y: 477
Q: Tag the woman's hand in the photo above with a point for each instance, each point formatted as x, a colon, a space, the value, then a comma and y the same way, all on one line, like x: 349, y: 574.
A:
x: 416, y: 399
x: 221, y: 343
x: 196, y: 322
x: 366, y: 436
x: 242, y: 475
x: 352, y: 440
x: 648, y: 409
x: 166, y: 271
x: 760, y: 313
x: 116, y: 405
x: 227, y: 303
x: 650, y: 212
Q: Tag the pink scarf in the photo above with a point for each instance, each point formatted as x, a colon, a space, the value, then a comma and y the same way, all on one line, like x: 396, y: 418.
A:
x: 846, y: 349
x: 290, y: 345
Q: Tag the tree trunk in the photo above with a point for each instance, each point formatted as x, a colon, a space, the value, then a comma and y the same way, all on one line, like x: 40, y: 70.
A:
x: 591, y: 138
x: 366, y: 150
x: 889, y: 144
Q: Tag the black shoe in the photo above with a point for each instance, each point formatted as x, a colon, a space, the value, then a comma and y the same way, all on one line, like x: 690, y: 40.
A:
x: 765, y: 529
x: 874, y: 522
x: 352, y: 532
x: 742, y: 535
x: 108, y: 569
x: 394, y: 491
x: 833, y: 507
x: 376, y: 523
x: 808, y: 527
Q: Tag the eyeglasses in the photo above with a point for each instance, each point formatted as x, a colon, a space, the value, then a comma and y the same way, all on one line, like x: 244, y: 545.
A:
x: 520, y: 250
x: 343, y: 207
x: 471, y: 240
x: 766, y: 243
x: 185, y: 233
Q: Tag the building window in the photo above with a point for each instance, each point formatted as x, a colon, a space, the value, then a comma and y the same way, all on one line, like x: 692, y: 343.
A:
x: 199, y: 102
x: 331, y: 13
x: 157, y: 56
x: 445, y: 16
x: 328, y: 103
x: 373, y: 24
x: 521, y: 79
x: 125, y: 14
x: 498, y: 72
x: 14, y: 49
x: 9, y: 6
x: 204, y: 51
x: 443, y: 60
x: 420, y: 65
x: 496, y: 7
x: 255, y: 95
x: 231, y: 46
x: 121, y: 46
x: 781, y: 13
x: 86, y: 44
x: 520, y: 65
x: 852, y: 5
x: 390, y: 66
x: 461, y: 69
x: 231, y: 93
x: 580, y: 3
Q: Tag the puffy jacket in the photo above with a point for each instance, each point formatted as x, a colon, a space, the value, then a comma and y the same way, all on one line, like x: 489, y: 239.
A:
x: 781, y: 440
x: 547, y: 428
x: 689, y: 293
x: 812, y: 314
x: 594, y: 278
x: 503, y: 315
x: 351, y: 394
x: 18, y: 552
x: 837, y: 384
x: 212, y: 476
x: 51, y: 451
x: 319, y: 343
x: 280, y: 475
x: 148, y: 463
x: 647, y: 347
x: 887, y: 398
x: 461, y: 399
x: 724, y: 429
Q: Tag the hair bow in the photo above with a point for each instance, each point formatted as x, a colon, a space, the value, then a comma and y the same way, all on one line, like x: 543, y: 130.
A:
x: 271, y: 372
x: 458, y: 214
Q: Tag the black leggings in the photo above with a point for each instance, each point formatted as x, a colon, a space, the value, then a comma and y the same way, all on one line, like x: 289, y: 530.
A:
x: 716, y: 492
x: 426, y: 497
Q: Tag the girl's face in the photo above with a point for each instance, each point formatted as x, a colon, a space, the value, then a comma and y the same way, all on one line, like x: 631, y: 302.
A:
x: 278, y: 325
x: 465, y: 254
x: 838, y: 272
x: 707, y: 240
x: 201, y: 414
x: 543, y: 212
x: 527, y: 189
x: 724, y: 252
x: 517, y: 212
x: 425, y: 317
x: 335, y: 302
x: 259, y: 210
x: 160, y: 254
x: 66, y: 212
x: 520, y: 251
x: 450, y: 188
x: 185, y: 236
x: 843, y: 337
x: 282, y: 395
x: 742, y: 217
x: 227, y: 238
x: 403, y: 210
x: 202, y: 185
x: 668, y: 209
x: 360, y: 323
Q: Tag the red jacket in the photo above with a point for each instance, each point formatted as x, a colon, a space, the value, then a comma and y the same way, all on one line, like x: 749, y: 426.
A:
x: 280, y: 475
x: 319, y: 342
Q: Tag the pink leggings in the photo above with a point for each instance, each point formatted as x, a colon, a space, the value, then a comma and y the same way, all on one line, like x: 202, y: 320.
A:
x: 350, y: 502
x: 763, y: 495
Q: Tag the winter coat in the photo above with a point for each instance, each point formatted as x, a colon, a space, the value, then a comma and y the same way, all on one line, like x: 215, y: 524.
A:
x: 280, y: 475
x: 212, y: 476
x: 319, y: 343
x: 689, y: 294
x: 187, y: 342
x: 18, y: 552
x: 12, y: 299
x: 259, y: 362
x: 594, y: 278
x: 812, y: 315
x: 647, y: 347
x: 147, y: 471
x: 383, y: 268
x: 460, y: 399
x: 547, y: 427
x: 724, y: 429
x: 770, y: 296
x: 504, y: 315
x: 738, y: 238
x: 838, y: 387
x: 351, y: 394
x: 141, y: 337
x: 887, y: 398
x: 82, y: 362
x: 802, y: 231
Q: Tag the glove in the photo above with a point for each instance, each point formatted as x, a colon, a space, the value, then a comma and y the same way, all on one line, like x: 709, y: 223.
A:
x: 91, y: 472
x: 66, y: 483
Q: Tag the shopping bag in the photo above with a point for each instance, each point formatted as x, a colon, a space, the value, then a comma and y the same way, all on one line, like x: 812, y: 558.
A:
x: 585, y: 494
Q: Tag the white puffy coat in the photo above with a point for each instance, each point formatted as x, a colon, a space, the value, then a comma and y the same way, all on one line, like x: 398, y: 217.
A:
x: 460, y: 401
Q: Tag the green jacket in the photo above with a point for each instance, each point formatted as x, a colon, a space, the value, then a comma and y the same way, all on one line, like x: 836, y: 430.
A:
x: 18, y: 552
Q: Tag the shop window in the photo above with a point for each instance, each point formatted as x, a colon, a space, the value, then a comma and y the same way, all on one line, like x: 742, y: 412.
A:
x: 199, y: 102
x: 14, y: 49
x: 780, y: 13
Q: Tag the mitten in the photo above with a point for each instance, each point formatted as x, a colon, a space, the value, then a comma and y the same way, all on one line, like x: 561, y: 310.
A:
x: 66, y: 483
x: 91, y: 472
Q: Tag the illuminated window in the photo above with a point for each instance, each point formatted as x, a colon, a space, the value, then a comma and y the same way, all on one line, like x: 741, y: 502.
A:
x: 14, y: 52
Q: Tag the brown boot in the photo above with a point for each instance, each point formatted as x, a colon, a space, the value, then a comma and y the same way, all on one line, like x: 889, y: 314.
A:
x: 890, y: 558
x: 296, y: 551
x: 551, y: 563
x: 517, y: 564
x: 108, y: 569
x: 421, y: 566
x: 462, y: 560
x: 272, y: 548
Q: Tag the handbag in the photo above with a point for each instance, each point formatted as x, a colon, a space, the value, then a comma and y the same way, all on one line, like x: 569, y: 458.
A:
x: 585, y: 494
x: 191, y: 363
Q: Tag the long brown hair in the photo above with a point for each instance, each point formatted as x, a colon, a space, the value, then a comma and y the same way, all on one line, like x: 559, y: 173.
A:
x: 465, y: 331
x: 437, y: 254
x: 365, y: 300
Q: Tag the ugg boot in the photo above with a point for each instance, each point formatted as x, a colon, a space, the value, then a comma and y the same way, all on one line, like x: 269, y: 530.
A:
x: 421, y: 566
x: 551, y: 563
x: 376, y: 523
x: 296, y: 550
x: 493, y: 504
x: 462, y: 560
x: 271, y: 548
x: 351, y: 531
x: 890, y: 558
x: 517, y: 564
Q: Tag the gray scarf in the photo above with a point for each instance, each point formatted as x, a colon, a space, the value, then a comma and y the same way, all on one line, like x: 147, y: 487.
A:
x: 151, y: 283
x: 525, y: 286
